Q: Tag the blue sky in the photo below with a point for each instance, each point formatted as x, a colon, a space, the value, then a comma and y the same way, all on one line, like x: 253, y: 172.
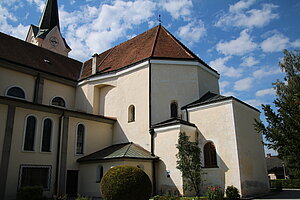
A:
x: 243, y: 40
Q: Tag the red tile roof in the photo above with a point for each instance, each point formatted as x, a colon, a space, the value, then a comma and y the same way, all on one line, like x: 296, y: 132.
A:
x: 154, y: 43
x: 38, y: 58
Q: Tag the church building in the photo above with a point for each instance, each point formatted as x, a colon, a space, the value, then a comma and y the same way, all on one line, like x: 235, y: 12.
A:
x: 64, y: 123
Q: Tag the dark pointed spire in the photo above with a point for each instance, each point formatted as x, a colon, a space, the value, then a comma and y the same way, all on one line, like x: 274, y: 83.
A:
x: 50, y: 17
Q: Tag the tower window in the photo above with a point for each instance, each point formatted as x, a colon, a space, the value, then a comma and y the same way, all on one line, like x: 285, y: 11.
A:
x: 99, y: 173
x: 16, y: 92
x: 210, y: 155
x: 58, y: 101
x: 47, y: 135
x: 131, y: 113
x: 30, y: 130
x: 174, y: 109
x: 80, y: 139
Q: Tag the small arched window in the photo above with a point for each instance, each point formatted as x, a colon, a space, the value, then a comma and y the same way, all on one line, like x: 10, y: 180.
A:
x: 80, y: 139
x: 47, y: 135
x: 30, y: 129
x: 58, y: 101
x: 99, y: 174
x: 210, y: 155
x: 16, y: 92
x: 131, y: 113
x: 174, y: 109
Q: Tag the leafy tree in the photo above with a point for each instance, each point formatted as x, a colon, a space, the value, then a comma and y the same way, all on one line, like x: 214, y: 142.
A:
x: 283, y: 123
x: 189, y: 163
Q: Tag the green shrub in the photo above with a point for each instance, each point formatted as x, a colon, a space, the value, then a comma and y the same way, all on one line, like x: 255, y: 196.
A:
x: 215, y: 193
x: 30, y: 192
x: 125, y: 183
x: 232, y: 193
x: 286, y: 183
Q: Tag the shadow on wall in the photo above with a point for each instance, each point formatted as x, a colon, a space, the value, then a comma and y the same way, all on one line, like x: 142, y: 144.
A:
x: 167, y: 185
x: 214, y: 175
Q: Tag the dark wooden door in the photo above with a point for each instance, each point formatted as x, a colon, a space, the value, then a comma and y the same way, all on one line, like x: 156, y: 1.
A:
x: 72, y: 183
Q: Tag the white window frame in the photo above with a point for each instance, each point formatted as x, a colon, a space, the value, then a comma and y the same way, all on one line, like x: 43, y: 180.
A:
x: 36, y: 166
x: 42, y: 134
x: 35, y: 133
x: 84, y: 139
x: 12, y: 86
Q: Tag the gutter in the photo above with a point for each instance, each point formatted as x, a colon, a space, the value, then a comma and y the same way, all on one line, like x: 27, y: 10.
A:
x: 58, y: 153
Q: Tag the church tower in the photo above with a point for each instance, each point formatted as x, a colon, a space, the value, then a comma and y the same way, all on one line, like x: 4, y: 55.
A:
x: 47, y: 34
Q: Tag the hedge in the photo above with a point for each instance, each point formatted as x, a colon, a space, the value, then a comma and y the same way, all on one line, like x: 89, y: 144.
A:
x: 286, y: 183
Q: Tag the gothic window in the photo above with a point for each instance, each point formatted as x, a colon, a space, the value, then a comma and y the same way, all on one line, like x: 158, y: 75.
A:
x: 174, y: 109
x: 16, y: 92
x: 47, y: 135
x: 210, y: 155
x: 131, y: 113
x: 99, y: 173
x: 30, y: 130
x: 58, y: 101
x: 35, y: 175
x: 80, y: 139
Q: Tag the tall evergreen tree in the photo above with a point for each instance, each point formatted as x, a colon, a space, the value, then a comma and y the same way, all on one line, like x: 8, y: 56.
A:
x: 283, y: 123
x: 189, y: 163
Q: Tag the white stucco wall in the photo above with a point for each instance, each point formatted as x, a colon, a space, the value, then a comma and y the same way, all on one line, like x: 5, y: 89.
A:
x: 3, y: 116
x: 216, y: 124
x: 10, y: 78
x: 18, y: 156
x: 88, y: 174
x: 165, y: 141
x: 54, y: 89
x: 97, y: 136
x: 112, y: 96
x: 253, y: 170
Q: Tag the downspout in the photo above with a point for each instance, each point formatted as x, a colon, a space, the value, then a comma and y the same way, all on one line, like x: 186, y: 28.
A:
x: 151, y: 135
x: 187, y: 115
x: 58, y: 152
x: 36, y: 88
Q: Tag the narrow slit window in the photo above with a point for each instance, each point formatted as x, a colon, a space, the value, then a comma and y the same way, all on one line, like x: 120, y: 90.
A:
x: 131, y: 113
x: 80, y: 139
x: 47, y: 135
x: 174, y: 109
x: 30, y: 130
x: 99, y: 174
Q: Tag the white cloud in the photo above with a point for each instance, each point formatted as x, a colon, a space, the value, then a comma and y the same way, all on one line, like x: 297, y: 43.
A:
x: 275, y: 43
x: 249, y: 61
x: 192, y: 32
x: 40, y: 4
x: 95, y: 29
x: 178, y: 8
x: 18, y: 31
x: 269, y: 91
x: 243, y: 84
x: 296, y: 43
x: 239, y: 15
x: 220, y: 65
x: 241, y: 5
x: 255, y: 102
x: 266, y: 72
x: 239, y: 46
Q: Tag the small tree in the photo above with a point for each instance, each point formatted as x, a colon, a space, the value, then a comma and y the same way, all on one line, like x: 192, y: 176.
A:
x: 283, y: 123
x: 189, y: 163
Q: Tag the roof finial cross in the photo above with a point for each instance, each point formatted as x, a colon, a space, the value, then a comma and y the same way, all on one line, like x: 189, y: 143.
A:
x: 159, y: 19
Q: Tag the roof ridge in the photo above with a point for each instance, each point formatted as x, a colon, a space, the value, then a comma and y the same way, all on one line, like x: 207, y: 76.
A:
x: 130, y: 144
x: 110, y: 50
x: 155, y: 41
x: 181, y: 45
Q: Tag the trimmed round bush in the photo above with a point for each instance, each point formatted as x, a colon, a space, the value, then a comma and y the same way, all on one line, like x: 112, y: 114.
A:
x: 125, y: 183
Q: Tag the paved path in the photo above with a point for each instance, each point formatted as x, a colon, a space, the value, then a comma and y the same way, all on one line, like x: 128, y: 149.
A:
x: 285, y: 194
